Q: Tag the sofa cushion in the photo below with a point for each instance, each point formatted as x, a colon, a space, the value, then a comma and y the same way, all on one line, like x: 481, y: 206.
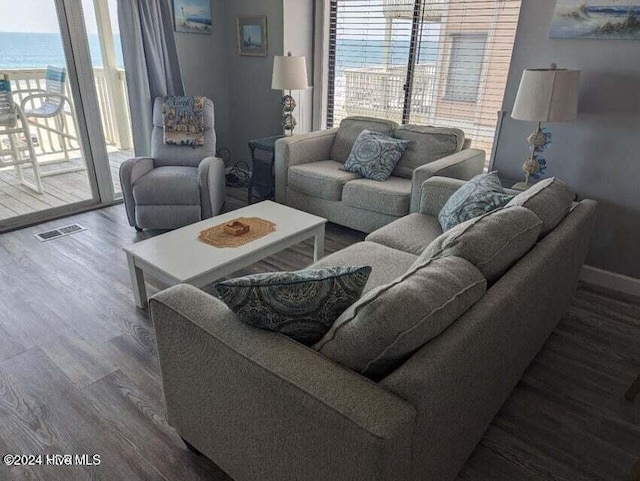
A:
x: 324, y: 179
x: 374, y: 155
x: 426, y: 145
x: 168, y: 186
x: 390, y: 197
x: 349, y: 130
x: 388, y: 324
x: 302, y: 305
x: 411, y: 233
x: 484, y: 193
x: 386, y: 263
x: 492, y: 242
x: 549, y: 199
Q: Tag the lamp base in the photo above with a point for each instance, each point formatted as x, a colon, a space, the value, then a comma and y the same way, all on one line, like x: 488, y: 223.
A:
x: 539, y: 140
x: 289, y: 122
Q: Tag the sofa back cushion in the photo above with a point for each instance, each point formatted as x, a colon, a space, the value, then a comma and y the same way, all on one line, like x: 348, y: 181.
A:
x: 549, y: 199
x: 388, y: 324
x: 426, y: 145
x: 492, y: 242
x: 349, y: 130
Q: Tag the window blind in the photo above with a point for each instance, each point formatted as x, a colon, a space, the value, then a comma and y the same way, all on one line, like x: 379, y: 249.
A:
x: 427, y: 62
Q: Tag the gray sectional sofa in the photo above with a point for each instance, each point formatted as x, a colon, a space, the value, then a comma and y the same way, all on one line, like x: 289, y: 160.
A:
x: 264, y: 407
x: 308, y: 175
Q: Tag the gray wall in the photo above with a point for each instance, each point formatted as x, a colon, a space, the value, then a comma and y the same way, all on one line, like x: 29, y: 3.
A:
x: 598, y: 155
x: 203, y: 61
x: 255, y: 109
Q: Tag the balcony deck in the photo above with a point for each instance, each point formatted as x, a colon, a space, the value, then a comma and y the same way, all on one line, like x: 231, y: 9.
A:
x: 59, y: 190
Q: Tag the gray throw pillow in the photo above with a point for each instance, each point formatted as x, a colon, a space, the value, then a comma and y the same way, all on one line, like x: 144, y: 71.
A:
x: 484, y: 193
x: 384, y: 328
x: 374, y: 155
x: 549, y: 199
x: 302, y: 305
x: 492, y: 242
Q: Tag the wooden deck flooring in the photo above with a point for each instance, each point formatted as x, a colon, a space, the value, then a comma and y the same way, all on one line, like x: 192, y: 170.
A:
x: 59, y: 190
x: 79, y: 371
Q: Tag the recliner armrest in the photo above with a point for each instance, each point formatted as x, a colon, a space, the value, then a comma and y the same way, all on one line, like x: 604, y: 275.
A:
x: 258, y: 403
x: 212, y: 184
x: 300, y: 149
x: 130, y: 171
x: 462, y: 165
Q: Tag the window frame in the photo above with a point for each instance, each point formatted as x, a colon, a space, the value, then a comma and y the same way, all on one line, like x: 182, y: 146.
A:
x: 452, y: 96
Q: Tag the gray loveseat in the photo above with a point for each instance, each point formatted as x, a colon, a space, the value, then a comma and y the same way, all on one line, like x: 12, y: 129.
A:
x: 308, y: 175
x: 264, y: 407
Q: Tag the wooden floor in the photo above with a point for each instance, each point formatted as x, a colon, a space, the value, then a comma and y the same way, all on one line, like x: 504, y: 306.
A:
x: 59, y: 190
x: 79, y: 374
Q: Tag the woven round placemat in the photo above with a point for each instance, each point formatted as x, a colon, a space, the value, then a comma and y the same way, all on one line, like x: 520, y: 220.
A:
x: 217, y: 237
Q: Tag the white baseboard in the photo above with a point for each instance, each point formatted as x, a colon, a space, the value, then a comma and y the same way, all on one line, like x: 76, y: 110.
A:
x: 611, y: 280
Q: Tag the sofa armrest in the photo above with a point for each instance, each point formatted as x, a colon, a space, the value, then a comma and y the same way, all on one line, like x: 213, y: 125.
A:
x: 212, y: 183
x: 435, y: 193
x: 300, y: 149
x: 265, y: 407
x: 130, y: 171
x: 463, y: 165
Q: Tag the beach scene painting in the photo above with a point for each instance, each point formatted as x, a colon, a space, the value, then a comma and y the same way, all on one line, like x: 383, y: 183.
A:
x: 252, y: 35
x: 597, y: 19
x: 192, y: 16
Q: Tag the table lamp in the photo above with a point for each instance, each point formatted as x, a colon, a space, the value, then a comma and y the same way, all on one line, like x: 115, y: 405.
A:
x: 289, y: 73
x: 545, y: 95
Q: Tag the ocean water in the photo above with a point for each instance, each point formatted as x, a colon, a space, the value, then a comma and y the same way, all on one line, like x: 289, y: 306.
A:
x: 37, y: 50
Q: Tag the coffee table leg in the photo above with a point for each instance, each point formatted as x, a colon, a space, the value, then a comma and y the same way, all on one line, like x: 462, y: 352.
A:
x: 137, y: 282
x: 318, y: 244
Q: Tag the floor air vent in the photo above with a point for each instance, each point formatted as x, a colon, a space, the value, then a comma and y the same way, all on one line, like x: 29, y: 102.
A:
x: 60, y: 232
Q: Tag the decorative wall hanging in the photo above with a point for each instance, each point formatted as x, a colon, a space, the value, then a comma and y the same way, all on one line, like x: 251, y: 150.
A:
x: 599, y: 19
x: 192, y: 16
x: 252, y: 35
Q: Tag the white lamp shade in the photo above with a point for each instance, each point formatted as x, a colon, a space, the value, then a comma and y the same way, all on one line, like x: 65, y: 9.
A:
x: 289, y: 73
x: 547, y: 95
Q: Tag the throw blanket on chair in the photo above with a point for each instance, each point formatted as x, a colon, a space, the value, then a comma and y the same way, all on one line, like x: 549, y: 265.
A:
x: 183, y: 119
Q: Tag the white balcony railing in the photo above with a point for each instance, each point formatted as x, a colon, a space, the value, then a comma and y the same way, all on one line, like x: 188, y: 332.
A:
x: 379, y: 92
x: 113, y: 118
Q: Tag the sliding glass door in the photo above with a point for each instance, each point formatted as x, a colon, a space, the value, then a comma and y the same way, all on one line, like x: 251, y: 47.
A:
x: 53, y: 152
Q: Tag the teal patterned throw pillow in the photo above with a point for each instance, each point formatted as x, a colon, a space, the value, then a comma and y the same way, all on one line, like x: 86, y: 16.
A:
x: 482, y: 194
x: 374, y: 155
x: 302, y: 304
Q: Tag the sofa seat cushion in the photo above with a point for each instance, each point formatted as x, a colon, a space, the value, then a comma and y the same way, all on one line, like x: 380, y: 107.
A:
x: 302, y: 304
x: 411, y: 233
x: 168, y: 186
x: 426, y: 145
x: 549, y: 199
x: 324, y: 179
x: 349, y: 130
x: 392, y: 196
x: 388, y: 324
x: 492, y: 242
x: 386, y: 264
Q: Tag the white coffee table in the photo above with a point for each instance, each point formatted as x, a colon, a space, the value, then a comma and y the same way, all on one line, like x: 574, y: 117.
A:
x: 179, y: 257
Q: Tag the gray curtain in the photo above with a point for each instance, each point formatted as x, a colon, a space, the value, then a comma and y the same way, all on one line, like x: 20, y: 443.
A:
x: 151, y: 62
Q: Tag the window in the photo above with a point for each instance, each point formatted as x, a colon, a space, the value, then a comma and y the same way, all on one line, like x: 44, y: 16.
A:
x: 425, y: 62
x: 465, y: 67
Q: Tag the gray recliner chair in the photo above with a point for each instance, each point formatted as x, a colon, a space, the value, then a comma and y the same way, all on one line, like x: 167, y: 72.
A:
x: 177, y: 185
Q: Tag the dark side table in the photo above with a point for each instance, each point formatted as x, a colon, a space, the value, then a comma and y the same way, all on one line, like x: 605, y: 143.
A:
x: 262, y: 180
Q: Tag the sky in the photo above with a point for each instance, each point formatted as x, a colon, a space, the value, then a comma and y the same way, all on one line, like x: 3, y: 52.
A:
x: 39, y: 16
